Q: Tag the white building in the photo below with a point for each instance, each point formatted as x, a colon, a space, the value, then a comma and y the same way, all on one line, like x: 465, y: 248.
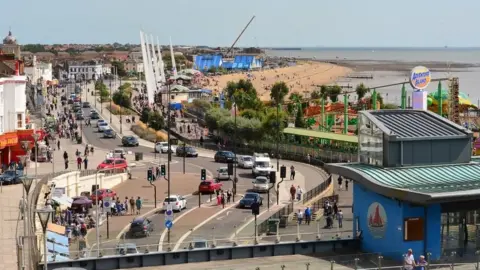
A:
x: 12, y: 103
x: 39, y: 70
x: 89, y: 72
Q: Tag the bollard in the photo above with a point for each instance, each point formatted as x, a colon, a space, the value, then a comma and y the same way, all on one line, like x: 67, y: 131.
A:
x: 235, y: 239
x: 477, y: 265
x: 319, y: 236
x: 380, y: 262
x: 298, y: 232
x: 331, y: 264
x: 307, y: 265
x: 453, y: 254
x: 213, y: 236
x: 428, y: 261
x: 282, y: 266
x: 257, y: 268
x: 356, y: 263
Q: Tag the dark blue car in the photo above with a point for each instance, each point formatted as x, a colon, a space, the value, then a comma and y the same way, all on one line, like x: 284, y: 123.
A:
x: 11, y: 177
x: 249, y: 199
x: 109, y: 133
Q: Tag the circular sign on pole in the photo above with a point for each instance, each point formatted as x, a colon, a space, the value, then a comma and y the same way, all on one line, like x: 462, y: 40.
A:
x: 168, y: 224
x: 420, y: 77
x: 106, y: 204
x: 169, y: 215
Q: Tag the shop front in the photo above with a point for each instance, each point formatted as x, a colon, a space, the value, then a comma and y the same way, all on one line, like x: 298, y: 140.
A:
x: 11, y: 144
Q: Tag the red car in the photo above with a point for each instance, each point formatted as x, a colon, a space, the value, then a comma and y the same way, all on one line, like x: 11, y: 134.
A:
x: 113, y: 163
x: 102, y: 193
x: 209, y: 186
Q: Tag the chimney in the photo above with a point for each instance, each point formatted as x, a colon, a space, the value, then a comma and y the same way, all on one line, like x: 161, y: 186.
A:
x: 17, y: 68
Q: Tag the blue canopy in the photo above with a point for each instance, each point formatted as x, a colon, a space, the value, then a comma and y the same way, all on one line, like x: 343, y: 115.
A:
x: 56, y: 248
x: 58, y: 238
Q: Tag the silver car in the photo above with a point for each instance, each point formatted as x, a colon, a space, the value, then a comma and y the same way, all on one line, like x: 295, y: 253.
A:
x: 245, y: 162
x: 261, y: 184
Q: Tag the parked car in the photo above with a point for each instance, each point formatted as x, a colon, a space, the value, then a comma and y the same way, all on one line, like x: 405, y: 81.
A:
x: 209, y: 186
x: 261, y: 184
x: 86, y: 104
x: 100, y: 121
x: 129, y: 141
x: 118, y: 152
x: 11, y: 177
x: 127, y: 248
x: 177, y: 202
x: 79, y: 116
x: 187, y: 151
x: 94, y: 116
x: 80, y: 201
x: 245, y: 162
x: 224, y: 156
x: 249, y: 199
x: 113, y: 163
x: 100, y: 194
x: 222, y: 173
x: 109, y: 133
x: 140, y: 226
x: 103, y: 126
x: 162, y: 147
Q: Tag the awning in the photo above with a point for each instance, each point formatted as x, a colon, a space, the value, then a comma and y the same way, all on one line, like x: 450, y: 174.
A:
x: 55, y: 249
x: 64, y: 201
x: 54, y: 228
x: 57, y: 238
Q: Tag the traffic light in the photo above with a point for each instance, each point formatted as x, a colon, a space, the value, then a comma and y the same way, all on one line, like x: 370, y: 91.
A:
x: 255, y: 208
x: 203, y: 175
x: 150, y: 174
x: 162, y: 170
x: 283, y: 172
x: 273, y: 177
x: 230, y: 168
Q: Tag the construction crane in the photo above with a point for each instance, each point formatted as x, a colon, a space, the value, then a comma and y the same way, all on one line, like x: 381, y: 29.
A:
x: 239, y: 36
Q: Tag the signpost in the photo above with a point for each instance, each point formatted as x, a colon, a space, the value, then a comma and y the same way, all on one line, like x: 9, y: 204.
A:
x: 168, y: 224
x: 107, y: 205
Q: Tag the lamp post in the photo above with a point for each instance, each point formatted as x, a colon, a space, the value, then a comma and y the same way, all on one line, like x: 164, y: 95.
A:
x: 234, y: 150
x: 169, y: 83
x: 110, y: 101
x: 278, y: 133
x: 44, y: 216
x: 35, y: 139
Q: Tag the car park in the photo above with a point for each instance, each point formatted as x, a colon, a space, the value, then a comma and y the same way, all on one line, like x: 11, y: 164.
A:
x: 245, y: 162
x: 249, y: 199
x: 109, y: 133
x: 129, y: 141
x: 187, y: 151
x: 113, y: 163
x: 103, y: 193
x: 222, y: 173
x: 261, y: 184
x: 224, y: 156
x: 140, y: 226
x: 177, y: 202
x: 103, y: 126
x: 209, y: 186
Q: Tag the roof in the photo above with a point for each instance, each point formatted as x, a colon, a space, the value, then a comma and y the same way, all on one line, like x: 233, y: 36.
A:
x: 408, y: 124
x: 418, y: 184
x: 321, y: 135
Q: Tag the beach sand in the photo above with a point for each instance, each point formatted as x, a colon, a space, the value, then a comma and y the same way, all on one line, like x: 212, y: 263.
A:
x: 302, y: 78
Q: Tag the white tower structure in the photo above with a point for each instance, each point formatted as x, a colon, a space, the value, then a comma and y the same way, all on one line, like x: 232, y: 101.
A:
x: 147, y: 66
x: 155, y: 64
x: 174, y: 66
x: 161, y: 65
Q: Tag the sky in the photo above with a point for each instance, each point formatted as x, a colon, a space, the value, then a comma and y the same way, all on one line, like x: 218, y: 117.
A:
x: 278, y: 23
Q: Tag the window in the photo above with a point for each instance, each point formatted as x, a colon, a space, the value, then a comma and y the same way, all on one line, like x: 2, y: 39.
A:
x: 19, y: 120
x: 413, y: 229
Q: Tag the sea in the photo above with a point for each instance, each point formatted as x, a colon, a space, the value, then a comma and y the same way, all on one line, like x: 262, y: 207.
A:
x: 469, y: 77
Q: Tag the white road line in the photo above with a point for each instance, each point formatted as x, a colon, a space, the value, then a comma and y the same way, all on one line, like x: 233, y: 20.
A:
x: 246, y: 224
x: 180, y: 241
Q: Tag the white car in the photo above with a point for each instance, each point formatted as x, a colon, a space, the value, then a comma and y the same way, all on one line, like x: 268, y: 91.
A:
x: 222, y: 173
x: 162, y: 147
x: 245, y: 162
x: 117, y: 152
x: 99, y: 121
x: 177, y: 202
x: 103, y: 126
x: 261, y: 184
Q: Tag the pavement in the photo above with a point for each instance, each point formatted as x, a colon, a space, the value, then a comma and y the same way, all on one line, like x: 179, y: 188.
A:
x: 195, y: 223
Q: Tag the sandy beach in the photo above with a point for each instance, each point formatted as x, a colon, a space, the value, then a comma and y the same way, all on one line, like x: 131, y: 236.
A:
x: 302, y: 78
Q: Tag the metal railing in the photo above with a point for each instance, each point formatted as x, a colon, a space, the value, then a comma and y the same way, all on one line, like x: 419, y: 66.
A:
x: 283, y: 212
x: 318, y: 204
x: 317, y: 190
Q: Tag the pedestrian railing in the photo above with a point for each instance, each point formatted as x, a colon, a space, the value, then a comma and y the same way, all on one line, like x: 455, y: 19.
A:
x: 282, y: 213
x: 318, y: 204
x: 317, y: 190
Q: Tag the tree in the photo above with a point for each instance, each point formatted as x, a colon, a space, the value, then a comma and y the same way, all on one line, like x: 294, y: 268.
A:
x: 361, y: 91
x: 145, y: 116
x: 212, y: 69
x: 316, y: 94
x: 120, y: 68
x: 324, y: 90
x: 278, y: 92
x: 213, y: 117
x: 299, y: 120
x: 333, y: 92
x: 156, y: 121
x: 296, y: 97
x: 122, y: 98
x: 243, y: 94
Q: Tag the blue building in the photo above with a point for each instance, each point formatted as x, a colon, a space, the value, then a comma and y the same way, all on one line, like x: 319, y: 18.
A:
x: 246, y: 62
x: 416, y: 185
x: 207, y: 61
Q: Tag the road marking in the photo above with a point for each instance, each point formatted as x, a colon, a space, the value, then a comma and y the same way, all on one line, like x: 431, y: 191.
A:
x: 222, y: 217
x: 180, y: 241
x: 246, y: 224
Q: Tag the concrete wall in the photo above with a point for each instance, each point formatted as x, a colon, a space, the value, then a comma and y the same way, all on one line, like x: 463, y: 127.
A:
x: 428, y: 152
x: 389, y: 238
x: 75, y: 184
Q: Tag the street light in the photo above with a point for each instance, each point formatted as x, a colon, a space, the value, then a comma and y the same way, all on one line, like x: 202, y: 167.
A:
x: 35, y: 138
x: 44, y: 216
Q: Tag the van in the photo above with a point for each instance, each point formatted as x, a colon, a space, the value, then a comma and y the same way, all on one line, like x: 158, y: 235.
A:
x: 261, y: 164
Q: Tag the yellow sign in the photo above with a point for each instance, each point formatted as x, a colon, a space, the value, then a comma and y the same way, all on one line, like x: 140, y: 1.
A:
x: 420, y: 77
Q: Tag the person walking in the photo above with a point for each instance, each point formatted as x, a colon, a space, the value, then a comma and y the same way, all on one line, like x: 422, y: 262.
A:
x: 293, y: 191
x: 138, y: 204
x: 346, y: 184
x: 292, y: 172
x: 229, y: 196
x: 58, y: 144
x: 308, y: 215
x: 79, y: 163
x: 223, y: 199
x: 21, y: 206
x: 299, y: 193
x: 300, y: 216
x: 340, y: 218
x: 132, y: 205
x: 85, y: 162
x: 65, y: 158
x: 340, y: 182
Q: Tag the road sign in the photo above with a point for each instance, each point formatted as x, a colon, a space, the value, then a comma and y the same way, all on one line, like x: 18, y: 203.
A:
x: 107, y: 204
x: 169, y: 213
x: 168, y: 224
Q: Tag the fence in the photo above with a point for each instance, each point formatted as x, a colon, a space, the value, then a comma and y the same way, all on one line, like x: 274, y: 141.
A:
x: 317, y: 190
x: 282, y: 213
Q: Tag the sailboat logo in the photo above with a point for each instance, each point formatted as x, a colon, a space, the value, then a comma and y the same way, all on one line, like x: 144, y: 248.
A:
x: 377, y: 220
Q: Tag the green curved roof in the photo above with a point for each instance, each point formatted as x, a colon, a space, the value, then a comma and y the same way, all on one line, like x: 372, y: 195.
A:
x: 445, y: 95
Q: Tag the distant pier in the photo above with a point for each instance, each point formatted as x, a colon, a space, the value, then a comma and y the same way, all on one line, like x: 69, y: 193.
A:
x: 360, y: 76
